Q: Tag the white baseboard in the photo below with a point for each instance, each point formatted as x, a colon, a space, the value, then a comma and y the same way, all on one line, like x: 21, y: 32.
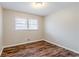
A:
x: 1, y: 49
x: 22, y: 43
x: 62, y: 46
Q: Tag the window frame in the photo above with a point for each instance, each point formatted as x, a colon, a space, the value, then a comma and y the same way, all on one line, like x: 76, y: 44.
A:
x: 27, y: 22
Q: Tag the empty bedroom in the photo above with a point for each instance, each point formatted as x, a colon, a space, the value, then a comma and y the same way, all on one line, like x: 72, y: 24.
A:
x: 39, y: 29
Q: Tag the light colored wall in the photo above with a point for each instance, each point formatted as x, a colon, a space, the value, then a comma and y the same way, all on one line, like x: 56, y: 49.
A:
x: 13, y: 37
x: 62, y: 28
x: 1, y: 46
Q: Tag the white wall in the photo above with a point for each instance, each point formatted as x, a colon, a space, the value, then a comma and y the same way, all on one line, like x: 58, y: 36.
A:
x: 62, y: 28
x: 1, y: 46
x: 13, y: 37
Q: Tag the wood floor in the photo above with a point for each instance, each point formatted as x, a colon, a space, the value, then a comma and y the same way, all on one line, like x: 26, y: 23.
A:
x: 37, y: 49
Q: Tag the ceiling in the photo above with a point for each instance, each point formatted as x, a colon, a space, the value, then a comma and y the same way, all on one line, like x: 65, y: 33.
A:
x: 27, y: 7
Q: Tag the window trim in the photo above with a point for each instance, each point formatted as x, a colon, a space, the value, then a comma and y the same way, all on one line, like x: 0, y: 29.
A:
x: 27, y: 25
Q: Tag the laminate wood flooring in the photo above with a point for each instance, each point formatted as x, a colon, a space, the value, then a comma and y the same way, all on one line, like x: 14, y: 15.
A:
x: 37, y: 49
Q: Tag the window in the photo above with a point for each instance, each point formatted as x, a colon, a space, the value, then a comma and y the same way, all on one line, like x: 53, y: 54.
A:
x: 24, y: 24
x: 21, y: 24
x: 33, y: 24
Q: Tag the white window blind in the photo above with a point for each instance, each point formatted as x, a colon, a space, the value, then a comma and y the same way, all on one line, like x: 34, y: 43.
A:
x: 26, y: 24
x: 33, y: 24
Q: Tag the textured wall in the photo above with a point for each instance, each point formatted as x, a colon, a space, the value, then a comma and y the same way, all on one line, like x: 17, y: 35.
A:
x: 12, y: 36
x: 62, y: 27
